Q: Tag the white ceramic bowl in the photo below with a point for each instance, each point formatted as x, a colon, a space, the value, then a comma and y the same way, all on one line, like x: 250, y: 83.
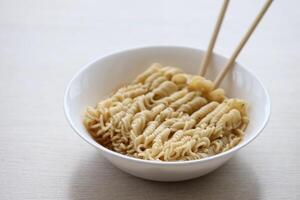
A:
x: 99, y: 78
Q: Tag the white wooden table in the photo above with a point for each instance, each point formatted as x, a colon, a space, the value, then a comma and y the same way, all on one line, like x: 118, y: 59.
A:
x: 43, y: 43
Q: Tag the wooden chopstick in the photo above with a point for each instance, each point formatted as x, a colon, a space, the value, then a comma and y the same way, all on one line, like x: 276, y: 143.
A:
x: 207, y: 56
x: 242, y: 43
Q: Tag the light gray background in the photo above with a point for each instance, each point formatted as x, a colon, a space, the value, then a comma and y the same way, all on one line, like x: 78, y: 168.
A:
x: 43, y: 43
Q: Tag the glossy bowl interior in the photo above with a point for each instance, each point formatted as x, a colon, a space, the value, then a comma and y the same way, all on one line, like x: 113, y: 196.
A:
x: 101, y: 77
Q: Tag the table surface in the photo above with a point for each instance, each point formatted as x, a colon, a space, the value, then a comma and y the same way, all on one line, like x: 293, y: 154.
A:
x: 42, y: 45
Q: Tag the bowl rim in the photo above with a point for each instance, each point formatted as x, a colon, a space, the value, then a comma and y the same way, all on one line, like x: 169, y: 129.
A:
x: 158, y: 162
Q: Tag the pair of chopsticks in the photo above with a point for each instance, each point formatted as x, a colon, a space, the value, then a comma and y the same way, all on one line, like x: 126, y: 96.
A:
x: 231, y: 61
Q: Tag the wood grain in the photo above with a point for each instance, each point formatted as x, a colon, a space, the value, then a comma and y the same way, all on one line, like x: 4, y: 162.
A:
x: 43, y: 43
